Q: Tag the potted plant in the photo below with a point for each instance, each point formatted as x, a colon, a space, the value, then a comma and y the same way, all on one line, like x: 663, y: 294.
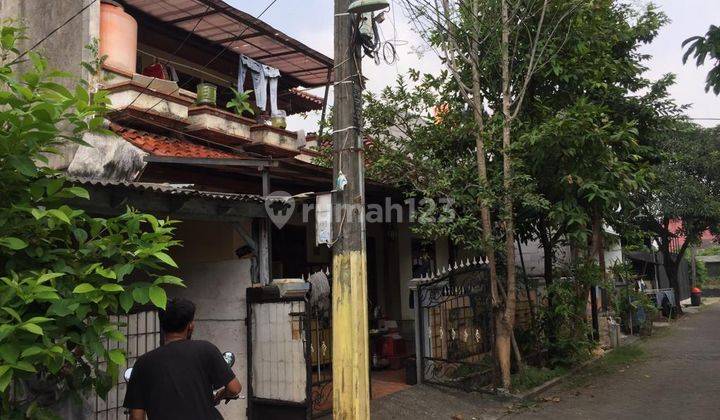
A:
x: 241, y: 102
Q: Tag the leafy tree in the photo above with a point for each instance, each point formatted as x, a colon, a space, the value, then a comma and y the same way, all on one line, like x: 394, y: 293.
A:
x: 588, y: 129
x: 685, y: 188
x: 703, y: 47
x: 493, y: 49
x: 64, y: 274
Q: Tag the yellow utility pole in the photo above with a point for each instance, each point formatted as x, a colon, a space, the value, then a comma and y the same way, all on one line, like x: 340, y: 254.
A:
x: 350, y: 361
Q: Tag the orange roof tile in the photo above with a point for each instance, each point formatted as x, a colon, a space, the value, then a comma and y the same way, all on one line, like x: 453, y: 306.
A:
x: 158, y: 145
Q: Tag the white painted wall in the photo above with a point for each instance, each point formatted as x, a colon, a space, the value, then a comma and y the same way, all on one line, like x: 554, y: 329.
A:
x: 216, y: 281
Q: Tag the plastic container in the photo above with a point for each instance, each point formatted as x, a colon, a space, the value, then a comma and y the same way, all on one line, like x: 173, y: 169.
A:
x: 206, y: 94
x: 696, y: 297
x: 118, y: 37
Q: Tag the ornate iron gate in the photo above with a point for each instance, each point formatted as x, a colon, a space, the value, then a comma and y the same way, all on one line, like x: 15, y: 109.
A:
x: 454, y: 327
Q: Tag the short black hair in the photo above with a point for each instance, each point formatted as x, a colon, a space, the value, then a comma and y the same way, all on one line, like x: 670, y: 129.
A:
x: 178, y: 314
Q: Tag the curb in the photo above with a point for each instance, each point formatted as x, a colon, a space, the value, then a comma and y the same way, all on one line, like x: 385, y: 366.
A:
x: 552, y: 382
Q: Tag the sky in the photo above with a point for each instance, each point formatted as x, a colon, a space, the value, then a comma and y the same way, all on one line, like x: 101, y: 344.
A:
x: 311, y: 21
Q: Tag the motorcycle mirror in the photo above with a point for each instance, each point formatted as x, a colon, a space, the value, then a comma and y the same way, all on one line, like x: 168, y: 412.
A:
x: 229, y: 358
x: 127, y: 374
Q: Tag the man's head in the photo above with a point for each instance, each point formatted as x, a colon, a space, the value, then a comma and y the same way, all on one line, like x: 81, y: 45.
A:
x: 177, y: 318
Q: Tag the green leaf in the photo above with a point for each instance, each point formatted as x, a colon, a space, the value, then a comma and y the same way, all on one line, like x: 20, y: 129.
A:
x: 59, y: 214
x: 126, y: 301
x: 116, y: 335
x: 117, y: 357
x: 124, y: 270
x: 32, y: 328
x: 38, y: 214
x: 62, y: 308
x: 107, y: 273
x: 5, y: 330
x: 9, y: 353
x: 112, y: 287
x: 158, y: 296
x: 13, y: 313
x: 27, y: 367
x: 5, y: 379
x: 48, y: 276
x: 39, y: 320
x: 167, y: 279
x: 32, y: 351
x: 141, y: 295
x: 23, y: 164
x: 165, y: 258
x: 84, y: 288
x: 54, y: 186
x: 78, y: 192
x: 13, y: 243
x: 80, y: 235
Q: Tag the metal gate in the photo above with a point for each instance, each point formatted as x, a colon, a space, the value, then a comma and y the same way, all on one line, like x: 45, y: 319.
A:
x: 142, y: 330
x: 454, y: 327
x: 279, y: 382
x: 289, y: 355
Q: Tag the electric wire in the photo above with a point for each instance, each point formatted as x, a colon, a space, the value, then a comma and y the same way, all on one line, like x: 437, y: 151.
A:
x: 212, y: 60
x: 51, y: 33
x: 172, y: 57
x: 142, y: 118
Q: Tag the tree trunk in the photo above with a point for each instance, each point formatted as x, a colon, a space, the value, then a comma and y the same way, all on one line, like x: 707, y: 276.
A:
x: 598, y: 249
x: 507, y: 320
x: 548, y: 273
x: 671, y: 271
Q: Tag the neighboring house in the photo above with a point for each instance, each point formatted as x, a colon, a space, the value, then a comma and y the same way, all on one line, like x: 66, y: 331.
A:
x: 706, y: 240
x: 712, y: 265
x: 533, y: 254
x: 204, y: 165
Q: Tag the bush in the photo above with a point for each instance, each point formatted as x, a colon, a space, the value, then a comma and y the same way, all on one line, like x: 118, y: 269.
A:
x: 63, y: 273
x: 702, y: 273
x: 572, y: 330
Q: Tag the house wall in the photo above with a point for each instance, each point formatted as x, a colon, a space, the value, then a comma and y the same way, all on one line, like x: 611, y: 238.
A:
x: 216, y: 281
x: 404, y: 244
x: 65, y: 49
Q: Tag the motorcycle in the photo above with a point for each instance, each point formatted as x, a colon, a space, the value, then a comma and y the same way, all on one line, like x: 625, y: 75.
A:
x: 229, y: 358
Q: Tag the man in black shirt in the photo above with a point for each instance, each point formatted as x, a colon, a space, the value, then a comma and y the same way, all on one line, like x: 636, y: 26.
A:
x: 176, y: 381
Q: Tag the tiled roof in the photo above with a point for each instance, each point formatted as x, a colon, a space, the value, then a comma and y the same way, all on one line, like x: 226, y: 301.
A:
x: 158, y: 145
x: 307, y: 96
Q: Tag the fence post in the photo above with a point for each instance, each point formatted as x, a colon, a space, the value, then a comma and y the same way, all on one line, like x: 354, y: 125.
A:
x: 419, y: 339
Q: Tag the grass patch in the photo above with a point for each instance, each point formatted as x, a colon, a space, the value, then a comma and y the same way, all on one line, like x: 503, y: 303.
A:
x: 531, y: 376
x: 610, y: 363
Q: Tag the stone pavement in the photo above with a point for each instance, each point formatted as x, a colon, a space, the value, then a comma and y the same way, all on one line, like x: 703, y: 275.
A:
x: 427, y: 402
x: 678, y: 379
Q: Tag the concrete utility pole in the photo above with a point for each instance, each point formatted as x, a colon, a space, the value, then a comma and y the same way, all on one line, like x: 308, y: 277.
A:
x: 350, y: 361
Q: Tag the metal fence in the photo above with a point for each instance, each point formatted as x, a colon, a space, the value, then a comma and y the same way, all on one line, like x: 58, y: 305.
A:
x: 142, y: 330
x: 454, y: 327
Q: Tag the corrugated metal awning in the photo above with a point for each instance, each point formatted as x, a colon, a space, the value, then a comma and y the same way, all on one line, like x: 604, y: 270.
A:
x: 222, y: 24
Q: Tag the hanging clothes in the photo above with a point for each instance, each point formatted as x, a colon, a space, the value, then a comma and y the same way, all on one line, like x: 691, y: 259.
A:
x: 261, y: 75
x: 272, y: 75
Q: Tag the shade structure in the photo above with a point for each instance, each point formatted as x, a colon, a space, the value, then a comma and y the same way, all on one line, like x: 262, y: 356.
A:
x: 240, y: 33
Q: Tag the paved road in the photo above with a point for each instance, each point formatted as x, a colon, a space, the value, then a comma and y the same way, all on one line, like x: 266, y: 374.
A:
x: 679, y: 379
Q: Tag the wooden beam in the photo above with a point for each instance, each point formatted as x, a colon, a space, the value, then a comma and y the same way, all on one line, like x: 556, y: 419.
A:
x: 191, y: 17
x: 281, y: 54
x: 259, y: 163
x: 265, y: 252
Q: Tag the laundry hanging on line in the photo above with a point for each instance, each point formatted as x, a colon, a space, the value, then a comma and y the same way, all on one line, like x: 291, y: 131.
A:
x: 262, y: 77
